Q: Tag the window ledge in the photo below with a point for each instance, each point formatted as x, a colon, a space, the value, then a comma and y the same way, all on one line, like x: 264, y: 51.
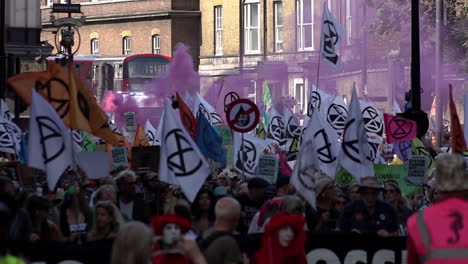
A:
x: 99, y: 2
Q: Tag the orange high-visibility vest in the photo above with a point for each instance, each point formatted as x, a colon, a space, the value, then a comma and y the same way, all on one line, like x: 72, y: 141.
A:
x: 439, y: 233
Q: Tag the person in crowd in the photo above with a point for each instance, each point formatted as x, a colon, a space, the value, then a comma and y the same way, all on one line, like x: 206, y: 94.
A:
x: 75, y: 216
x: 431, y: 194
x: 326, y: 190
x: 251, y: 202
x: 220, y: 192
x: 107, y: 221
x: 438, y: 234
x: 15, y: 222
x: 217, y: 244
x: 270, y: 207
x: 223, y: 178
x: 43, y: 229
x: 108, y: 180
x: 169, y: 230
x: 203, y: 210
x: 131, y: 205
x: 369, y: 214
x: 341, y: 201
x: 270, y: 192
x: 233, y: 179
x: 106, y: 192
x: 242, y: 188
x: 353, y: 192
x: 392, y: 195
x: 133, y: 244
x: 55, y: 200
x: 283, y: 242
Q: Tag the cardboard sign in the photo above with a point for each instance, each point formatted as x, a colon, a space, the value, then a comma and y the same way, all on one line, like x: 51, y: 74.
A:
x: 267, y: 168
x: 95, y: 164
x: 417, y: 169
x: 145, y: 158
x: 119, y: 157
x: 130, y: 121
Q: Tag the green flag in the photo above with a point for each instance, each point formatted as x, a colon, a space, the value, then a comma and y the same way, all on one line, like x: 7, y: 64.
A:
x: 261, y: 130
x: 266, y: 95
x: 88, y: 144
x: 420, y: 150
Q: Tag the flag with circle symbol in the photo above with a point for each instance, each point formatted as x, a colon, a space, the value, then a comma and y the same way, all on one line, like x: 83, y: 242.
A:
x: 276, y: 128
x: 50, y: 148
x: 336, y: 114
x: 318, y: 99
x: 332, y: 31
x: 152, y: 134
x: 399, y: 129
x: 373, y: 120
x: 203, y: 107
x: 181, y: 162
x: 355, y: 152
x: 247, y: 152
x: 10, y: 136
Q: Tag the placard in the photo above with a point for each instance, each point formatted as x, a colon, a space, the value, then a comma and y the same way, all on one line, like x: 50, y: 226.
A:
x: 267, y: 168
x: 95, y: 164
x: 130, y: 121
x: 119, y: 157
x: 417, y: 169
x: 145, y: 158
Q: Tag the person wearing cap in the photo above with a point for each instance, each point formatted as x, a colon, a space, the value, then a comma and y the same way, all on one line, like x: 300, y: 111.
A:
x: 251, y: 202
x: 270, y: 207
x: 326, y: 191
x: 438, y: 234
x: 369, y: 214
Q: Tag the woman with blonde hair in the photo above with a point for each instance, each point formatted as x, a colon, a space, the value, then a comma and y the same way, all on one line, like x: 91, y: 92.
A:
x: 107, y: 221
x: 133, y: 244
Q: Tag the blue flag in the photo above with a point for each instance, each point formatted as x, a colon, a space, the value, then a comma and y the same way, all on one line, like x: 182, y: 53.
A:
x: 209, y: 142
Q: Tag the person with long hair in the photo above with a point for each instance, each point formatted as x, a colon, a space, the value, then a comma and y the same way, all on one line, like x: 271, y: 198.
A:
x: 392, y: 195
x: 43, y: 229
x: 107, y: 221
x: 75, y: 216
x: 203, y: 211
x: 133, y: 244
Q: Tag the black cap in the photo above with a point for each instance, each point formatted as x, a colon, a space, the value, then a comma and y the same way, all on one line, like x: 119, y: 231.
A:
x: 281, y: 181
x: 257, y: 183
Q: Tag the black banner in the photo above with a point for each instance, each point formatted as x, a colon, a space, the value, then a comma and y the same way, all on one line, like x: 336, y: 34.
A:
x: 321, y: 248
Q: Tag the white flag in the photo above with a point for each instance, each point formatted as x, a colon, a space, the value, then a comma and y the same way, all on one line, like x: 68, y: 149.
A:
x: 306, y: 171
x: 275, y: 129
x: 181, y: 162
x: 50, y: 147
x: 189, y: 100
x: 395, y: 108
x: 10, y: 136
x: 5, y: 111
x: 332, y: 31
x: 355, y: 152
x: 336, y: 114
x: 203, y: 107
x: 325, y: 142
x: 151, y: 133
x: 373, y: 120
x: 248, y: 152
x: 78, y: 140
x: 318, y: 99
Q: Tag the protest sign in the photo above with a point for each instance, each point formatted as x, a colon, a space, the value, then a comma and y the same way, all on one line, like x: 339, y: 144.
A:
x: 130, y: 122
x: 417, y: 168
x: 145, y: 157
x: 267, y: 168
x: 95, y: 164
x: 383, y: 173
x: 119, y: 157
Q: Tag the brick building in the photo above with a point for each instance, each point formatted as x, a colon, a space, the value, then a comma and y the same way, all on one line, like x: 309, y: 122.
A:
x: 120, y: 27
x: 284, y: 36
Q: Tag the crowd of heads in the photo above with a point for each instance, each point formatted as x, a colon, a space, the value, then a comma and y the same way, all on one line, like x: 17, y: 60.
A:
x: 141, y: 212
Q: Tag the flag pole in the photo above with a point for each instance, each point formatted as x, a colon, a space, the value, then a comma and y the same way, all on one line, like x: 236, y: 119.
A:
x: 320, y: 49
x: 242, y: 159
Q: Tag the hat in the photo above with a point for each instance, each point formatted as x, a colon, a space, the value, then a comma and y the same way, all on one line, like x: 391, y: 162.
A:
x: 450, y: 173
x: 321, y: 183
x: 270, y: 190
x: 370, y: 182
x: 281, y: 181
x: 158, y: 223
x: 257, y: 183
x: 228, y: 173
x: 220, y: 191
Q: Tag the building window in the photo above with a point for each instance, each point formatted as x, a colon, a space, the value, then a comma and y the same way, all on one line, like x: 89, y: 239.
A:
x: 349, y: 26
x: 156, y: 44
x: 278, y: 6
x: 300, y: 95
x: 218, y: 10
x: 94, y: 46
x: 252, y: 28
x: 127, y: 45
x: 305, y: 24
